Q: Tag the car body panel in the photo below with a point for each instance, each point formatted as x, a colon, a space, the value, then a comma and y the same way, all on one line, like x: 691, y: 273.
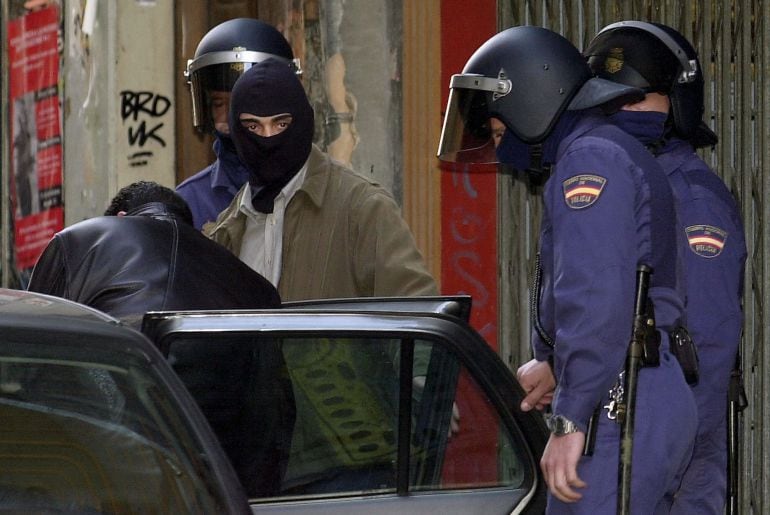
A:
x: 467, y: 502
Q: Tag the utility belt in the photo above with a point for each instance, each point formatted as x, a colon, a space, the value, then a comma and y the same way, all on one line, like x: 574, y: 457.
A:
x: 682, y: 348
x: 680, y: 342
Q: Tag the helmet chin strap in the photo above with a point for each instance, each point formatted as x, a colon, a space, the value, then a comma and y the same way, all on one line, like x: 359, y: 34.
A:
x: 656, y: 147
x: 537, y: 172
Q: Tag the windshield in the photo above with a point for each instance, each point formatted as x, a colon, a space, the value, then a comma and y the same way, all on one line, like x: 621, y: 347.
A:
x: 87, y: 431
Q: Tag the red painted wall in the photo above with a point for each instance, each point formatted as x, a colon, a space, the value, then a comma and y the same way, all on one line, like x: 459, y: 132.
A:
x: 468, y: 199
x: 469, y: 247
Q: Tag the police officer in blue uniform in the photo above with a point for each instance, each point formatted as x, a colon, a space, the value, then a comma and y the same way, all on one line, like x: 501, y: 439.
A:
x: 659, y: 60
x: 223, y: 55
x: 607, y: 209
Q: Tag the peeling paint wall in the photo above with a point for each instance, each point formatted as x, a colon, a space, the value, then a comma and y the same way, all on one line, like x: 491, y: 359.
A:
x: 118, y: 100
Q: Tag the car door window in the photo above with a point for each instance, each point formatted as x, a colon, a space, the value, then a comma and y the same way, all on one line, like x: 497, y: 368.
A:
x: 346, y: 392
x: 462, y: 440
x: 355, y: 415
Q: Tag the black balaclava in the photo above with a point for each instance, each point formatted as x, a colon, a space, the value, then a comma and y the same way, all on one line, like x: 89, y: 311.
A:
x: 269, y: 88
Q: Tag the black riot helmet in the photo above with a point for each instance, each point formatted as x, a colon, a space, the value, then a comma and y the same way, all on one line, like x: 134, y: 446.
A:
x: 526, y: 77
x: 657, y: 59
x: 224, y: 53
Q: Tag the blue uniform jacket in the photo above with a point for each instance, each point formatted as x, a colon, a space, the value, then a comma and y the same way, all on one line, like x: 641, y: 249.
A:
x: 714, y: 258
x: 212, y: 189
x: 607, y: 208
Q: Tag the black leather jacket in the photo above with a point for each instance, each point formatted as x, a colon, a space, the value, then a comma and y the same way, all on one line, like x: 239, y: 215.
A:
x: 148, y: 260
x: 151, y: 260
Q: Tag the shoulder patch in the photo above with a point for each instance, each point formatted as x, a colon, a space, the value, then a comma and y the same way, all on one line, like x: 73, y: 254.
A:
x: 706, y: 240
x: 581, y: 191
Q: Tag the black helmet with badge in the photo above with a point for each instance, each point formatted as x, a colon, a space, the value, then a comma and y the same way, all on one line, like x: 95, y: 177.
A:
x: 526, y: 77
x: 657, y: 59
x: 224, y: 53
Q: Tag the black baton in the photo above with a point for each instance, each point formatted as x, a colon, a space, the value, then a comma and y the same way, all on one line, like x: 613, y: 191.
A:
x: 643, y: 324
x: 737, y: 402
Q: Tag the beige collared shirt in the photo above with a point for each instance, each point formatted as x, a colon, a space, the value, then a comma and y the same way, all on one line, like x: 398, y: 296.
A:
x: 262, y: 244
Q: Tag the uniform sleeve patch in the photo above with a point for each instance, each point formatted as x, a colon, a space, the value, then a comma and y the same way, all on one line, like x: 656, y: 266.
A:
x: 706, y: 240
x: 582, y: 191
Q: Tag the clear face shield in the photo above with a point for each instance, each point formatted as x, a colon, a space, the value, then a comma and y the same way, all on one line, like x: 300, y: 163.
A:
x: 211, y: 78
x: 466, y: 136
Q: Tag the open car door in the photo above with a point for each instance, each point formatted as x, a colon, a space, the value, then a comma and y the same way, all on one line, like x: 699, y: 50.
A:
x: 360, y: 405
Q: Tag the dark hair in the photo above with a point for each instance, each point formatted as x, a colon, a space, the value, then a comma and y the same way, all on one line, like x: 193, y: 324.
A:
x: 140, y: 193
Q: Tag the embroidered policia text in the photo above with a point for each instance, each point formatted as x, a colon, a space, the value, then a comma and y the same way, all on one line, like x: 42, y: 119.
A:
x: 706, y: 240
x: 582, y: 191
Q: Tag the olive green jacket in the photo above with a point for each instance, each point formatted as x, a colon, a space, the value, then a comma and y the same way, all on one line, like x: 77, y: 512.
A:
x: 343, y: 236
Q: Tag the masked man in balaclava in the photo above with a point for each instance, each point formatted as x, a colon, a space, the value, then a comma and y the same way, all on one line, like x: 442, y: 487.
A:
x: 316, y: 229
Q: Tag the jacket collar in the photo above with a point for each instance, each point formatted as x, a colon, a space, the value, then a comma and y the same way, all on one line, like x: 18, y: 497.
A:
x: 317, y: 179
x: 157, y: 210
x: 314, y: 187
x: 230, y: 219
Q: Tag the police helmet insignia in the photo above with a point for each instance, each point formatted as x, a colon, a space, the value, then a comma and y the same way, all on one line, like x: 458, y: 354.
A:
x: 238, y: 66
x: 583, y: 190
x: 614, y: 62
x: 706, y: 240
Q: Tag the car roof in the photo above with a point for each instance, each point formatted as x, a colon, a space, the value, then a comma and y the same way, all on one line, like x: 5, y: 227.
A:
x: 32, y: 317
x: 20, y: 304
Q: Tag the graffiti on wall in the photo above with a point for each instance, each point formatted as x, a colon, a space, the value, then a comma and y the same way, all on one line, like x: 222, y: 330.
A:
x: 470, y: 250
x: 142, y: 114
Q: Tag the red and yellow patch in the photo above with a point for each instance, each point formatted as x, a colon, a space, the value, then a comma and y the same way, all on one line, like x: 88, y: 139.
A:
x: 582, y: 191
x: 706, y: 240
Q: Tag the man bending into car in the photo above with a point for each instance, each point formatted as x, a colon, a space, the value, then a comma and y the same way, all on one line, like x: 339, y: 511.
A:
x: 145, y: 255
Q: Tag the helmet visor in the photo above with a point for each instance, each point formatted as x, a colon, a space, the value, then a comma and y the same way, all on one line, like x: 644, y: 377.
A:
x: 466, y: 136
x: 218, y: 71
x: 205, y: 81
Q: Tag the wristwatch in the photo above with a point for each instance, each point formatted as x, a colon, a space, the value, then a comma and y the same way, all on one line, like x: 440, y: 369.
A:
x: 560, y: 425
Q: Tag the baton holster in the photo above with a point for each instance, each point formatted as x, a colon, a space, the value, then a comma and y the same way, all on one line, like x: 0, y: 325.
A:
x: 685, y: 352
x: 650, y: 338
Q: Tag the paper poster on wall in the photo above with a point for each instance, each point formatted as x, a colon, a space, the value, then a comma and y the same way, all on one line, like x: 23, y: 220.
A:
x: 35, y: 123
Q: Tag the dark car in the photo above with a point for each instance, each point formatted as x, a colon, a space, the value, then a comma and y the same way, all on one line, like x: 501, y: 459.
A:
x: 393, y: 405
x: 350, y: 406
x: 93, y: 420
